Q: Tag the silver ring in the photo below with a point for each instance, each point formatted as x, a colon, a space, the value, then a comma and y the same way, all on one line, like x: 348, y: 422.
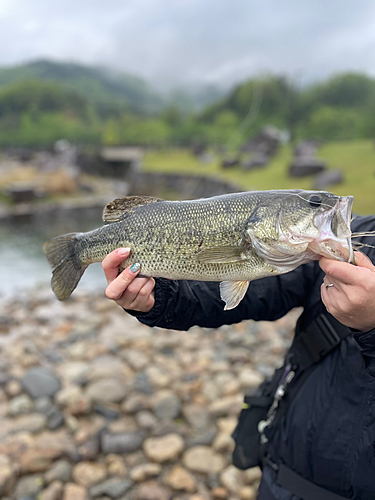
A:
x: 329, y: 285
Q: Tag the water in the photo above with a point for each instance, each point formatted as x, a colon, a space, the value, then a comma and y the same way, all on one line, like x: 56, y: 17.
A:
x: 22, y: 261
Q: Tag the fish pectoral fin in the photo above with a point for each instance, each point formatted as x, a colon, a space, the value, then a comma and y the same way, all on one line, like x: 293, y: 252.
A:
x: 122, y: 207
x: 232, y: 292
x: 220, y: 255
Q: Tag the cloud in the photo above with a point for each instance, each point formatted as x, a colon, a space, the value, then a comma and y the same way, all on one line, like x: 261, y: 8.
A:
x: 188, y: 41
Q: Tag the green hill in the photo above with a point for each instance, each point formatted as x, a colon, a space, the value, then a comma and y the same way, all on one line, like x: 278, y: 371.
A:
x: 107, y: 90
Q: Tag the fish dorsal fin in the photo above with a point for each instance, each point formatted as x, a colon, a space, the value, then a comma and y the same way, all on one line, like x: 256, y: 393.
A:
x: 122, y: 207
x: 221, y: 255
x: 232, y: 292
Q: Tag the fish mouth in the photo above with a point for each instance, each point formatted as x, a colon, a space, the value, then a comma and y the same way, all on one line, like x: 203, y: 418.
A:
x: 334, y: 239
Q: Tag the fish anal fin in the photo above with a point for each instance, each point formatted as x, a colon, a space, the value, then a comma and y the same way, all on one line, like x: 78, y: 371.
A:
x: 232, y: 292
x: 122, y: 207
x: 221, y: 255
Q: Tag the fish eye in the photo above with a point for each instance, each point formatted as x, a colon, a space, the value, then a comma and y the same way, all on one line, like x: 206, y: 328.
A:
x: 315, y: 200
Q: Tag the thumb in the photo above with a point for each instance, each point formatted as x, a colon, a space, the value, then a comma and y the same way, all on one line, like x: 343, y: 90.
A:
x: 362, y: 260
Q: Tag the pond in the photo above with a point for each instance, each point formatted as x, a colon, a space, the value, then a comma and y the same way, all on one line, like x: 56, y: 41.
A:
x: 22, y: 261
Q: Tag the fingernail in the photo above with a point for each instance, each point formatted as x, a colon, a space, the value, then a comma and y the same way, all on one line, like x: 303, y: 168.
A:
x: 123, y: 251
x: 135, y: 267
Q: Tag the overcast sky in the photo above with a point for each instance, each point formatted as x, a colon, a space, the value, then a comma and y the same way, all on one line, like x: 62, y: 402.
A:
x: 171, y: 42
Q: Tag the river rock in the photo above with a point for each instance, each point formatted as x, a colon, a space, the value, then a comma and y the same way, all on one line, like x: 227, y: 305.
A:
x: 232, y: 479
x: 203, y: 459
x: 252, y: 475
x: 126, y: 442
x: 220, y: 493
x: 89, y: 449
x: 33, y: 423
x: 135, y: 403
x: 153, y: 491
x: 20, y: 404
x: 181, y: 480
x: 87, y: 474
x: 144, y: 471
x: 230, y: 405
x: 168, y: 408
x: 197, y: 416
x: 115, y: 465
x: 146, y: 420
x: 55, y: 419
x: 40, y: 382
x: 74, y: 492
x: 43, y: 405
x: 223, y: 443
x: 60, y: 471
x: 53, y: 492
x: 108, y: 390
x: 7, y: 475
x: 113, y: 488
x: 13, y: 388
x: 204, y: 437
x: 247, y: 493
x: 29, y: 486
x: 165, y: 448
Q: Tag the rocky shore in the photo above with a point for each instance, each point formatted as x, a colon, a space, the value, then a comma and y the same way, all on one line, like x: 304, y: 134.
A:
x: 94, y: 405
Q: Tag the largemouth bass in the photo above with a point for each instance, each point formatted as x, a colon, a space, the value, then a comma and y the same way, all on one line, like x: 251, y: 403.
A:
x: 234, y: 238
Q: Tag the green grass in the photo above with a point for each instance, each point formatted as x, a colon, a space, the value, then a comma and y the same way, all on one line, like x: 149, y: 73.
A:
x: 356, y: 159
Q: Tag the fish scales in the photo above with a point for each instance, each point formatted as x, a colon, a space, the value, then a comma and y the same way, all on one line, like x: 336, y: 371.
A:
x: 232, y: 238
x: 167, y: 236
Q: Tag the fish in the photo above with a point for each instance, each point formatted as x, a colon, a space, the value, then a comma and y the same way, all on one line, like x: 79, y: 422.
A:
x: 233, y: 239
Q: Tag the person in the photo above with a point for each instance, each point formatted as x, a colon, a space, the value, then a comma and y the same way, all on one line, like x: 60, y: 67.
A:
x: 327, y: 435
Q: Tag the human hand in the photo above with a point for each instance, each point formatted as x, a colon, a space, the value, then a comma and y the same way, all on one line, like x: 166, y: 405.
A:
x: 124, y: 289
x: 351, y: 299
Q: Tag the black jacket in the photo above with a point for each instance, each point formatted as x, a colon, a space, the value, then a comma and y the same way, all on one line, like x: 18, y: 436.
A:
x: 328, y: 434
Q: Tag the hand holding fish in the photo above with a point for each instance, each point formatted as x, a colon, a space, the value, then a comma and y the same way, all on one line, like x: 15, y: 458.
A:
x: 124, y: 289
x: 351, y: 299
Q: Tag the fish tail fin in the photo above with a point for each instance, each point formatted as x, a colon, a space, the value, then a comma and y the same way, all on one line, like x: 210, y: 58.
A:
x: 67, y: 269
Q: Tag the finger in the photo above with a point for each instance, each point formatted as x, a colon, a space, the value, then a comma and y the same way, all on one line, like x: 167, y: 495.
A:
x: 144, y: 300
x: 331, y: 298
x: 341, y: 271
x: 362, y: 260
x: 118, y: 286
x: 112, y: 261
x: 330, y: 282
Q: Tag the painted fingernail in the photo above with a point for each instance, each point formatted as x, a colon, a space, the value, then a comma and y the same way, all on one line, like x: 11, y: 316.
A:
x: 123, y: 251
x: 135, y: 267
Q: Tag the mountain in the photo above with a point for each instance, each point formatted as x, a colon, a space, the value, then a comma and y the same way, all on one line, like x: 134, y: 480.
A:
x: 106, y: 89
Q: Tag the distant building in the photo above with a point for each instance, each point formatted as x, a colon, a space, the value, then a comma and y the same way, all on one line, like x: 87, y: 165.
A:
x: 120, y: 161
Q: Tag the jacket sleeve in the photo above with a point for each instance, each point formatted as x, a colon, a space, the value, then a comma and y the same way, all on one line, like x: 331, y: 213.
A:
x: 366, y: 340
x: 182, y: 304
